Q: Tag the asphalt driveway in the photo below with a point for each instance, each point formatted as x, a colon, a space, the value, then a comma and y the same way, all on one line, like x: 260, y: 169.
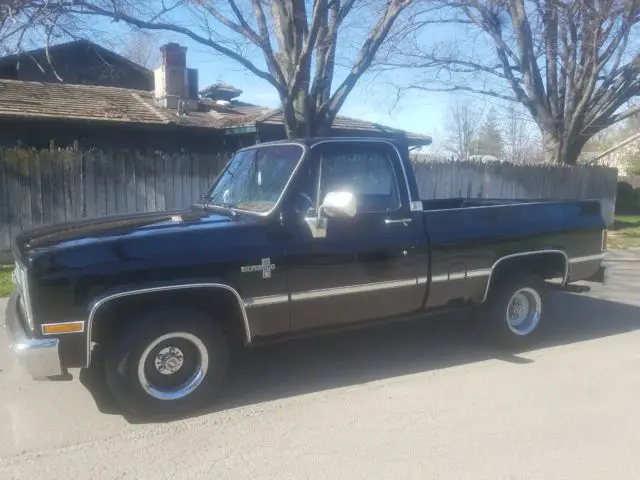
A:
x: 415, y: 400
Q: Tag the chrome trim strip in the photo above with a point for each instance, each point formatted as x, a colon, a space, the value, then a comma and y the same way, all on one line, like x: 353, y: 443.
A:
x: 526, y: 254
x: 549, y: 202
x: 108, y: 298
x: 457, y: 276
x: 305, y: 149
x: 377, y: 140
x: 61, y: 323
x: 266, y: 300
x: 483, y: 272
x: 587, y: 258
x: 368, y: 287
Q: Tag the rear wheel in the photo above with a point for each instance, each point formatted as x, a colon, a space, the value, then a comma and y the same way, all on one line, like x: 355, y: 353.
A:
x: 171, y: 362
x: 514, y: 310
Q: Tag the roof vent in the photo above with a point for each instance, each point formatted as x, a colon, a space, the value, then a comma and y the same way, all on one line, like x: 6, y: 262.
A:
x: 221, y: 91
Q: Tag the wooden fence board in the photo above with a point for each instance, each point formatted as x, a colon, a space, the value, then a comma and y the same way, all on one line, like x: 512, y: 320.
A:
x: 111, y: 183
x: 35, y: 188
x: 5, y: 208
x: 52, y: 186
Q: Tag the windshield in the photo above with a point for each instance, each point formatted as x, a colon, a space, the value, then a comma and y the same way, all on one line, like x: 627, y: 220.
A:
x: 255, y: 179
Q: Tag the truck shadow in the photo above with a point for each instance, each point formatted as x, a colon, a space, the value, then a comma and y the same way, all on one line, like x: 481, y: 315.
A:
x: 360, y: 356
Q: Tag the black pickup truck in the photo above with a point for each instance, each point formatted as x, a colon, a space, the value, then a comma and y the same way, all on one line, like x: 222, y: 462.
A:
x: 293, y: 237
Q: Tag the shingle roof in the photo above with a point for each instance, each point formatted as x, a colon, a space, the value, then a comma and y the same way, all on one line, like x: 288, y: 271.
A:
x: 111, y: 104
x: 82, y: 102
x: 64, y: 48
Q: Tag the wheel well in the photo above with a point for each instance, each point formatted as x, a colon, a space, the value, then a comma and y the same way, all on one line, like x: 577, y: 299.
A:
x: 220, y: 304
x: 546, y: 264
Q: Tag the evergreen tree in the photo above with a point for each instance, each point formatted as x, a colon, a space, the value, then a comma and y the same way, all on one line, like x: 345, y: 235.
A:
x: 489, y: 140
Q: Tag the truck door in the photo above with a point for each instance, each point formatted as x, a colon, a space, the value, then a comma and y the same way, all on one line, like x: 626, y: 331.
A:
x: 364, y: 267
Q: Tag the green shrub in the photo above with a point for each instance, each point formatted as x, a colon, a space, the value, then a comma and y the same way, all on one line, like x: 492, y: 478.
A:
x: 627, y: 198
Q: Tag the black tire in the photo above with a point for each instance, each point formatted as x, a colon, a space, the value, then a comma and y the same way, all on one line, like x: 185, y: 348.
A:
x: 188, y: 332
x: 495, y: 322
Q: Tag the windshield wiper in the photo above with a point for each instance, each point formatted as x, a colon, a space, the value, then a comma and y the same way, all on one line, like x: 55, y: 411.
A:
x: 226, y: 206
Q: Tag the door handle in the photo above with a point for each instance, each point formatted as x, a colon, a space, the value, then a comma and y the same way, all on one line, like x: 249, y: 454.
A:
x: 403, y: 221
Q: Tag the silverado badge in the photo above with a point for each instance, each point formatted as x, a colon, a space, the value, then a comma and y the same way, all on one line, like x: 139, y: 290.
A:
x: 265, y: 267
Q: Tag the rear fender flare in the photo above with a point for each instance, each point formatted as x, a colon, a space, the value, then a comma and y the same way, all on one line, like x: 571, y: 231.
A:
x: 500, y: 260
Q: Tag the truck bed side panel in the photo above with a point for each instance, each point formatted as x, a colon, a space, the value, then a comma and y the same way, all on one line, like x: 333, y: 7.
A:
x: 467, y: 242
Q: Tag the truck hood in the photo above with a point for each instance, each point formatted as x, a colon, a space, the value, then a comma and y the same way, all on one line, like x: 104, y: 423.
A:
x: 99, y: 229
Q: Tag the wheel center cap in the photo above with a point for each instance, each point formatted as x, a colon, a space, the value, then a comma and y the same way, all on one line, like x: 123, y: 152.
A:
x: 169, y: 360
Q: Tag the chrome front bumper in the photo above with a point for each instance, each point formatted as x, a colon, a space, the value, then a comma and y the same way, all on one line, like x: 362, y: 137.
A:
x: 38, y: 355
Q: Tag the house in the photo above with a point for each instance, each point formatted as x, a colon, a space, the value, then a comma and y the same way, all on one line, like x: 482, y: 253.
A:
x: 173, y: 116
x: 76, y: 63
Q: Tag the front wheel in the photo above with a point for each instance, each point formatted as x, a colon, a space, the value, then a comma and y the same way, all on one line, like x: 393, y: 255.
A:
x: 514, y: 310
x: 171, y: 362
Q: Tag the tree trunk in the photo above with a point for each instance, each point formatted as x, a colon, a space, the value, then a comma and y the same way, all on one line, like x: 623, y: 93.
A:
x: 552, y: 145
x: 572, y: 150
x: 301, y: 120
x: 562, y: 149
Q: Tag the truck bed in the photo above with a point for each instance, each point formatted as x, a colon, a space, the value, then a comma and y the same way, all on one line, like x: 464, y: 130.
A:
x: 455, y: 220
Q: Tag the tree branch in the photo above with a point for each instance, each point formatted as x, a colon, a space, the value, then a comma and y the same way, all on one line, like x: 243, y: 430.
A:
x: 458, y: 88
x: 98, y: 11
x: 366, y: 55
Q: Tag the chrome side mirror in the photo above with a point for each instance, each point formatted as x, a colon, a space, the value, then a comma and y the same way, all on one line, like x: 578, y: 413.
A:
x: 339, y: 204
x: 336, y: 204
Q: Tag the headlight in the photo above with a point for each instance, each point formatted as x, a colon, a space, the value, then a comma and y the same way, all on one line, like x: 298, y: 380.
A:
x: 22, y: 284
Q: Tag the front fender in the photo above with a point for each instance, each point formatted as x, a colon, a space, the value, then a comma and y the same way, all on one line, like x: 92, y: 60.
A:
x: 153, y: 287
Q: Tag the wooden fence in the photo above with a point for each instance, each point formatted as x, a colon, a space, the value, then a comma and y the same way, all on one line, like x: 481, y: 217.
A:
x: 506, y: 180
x: 43, y: 187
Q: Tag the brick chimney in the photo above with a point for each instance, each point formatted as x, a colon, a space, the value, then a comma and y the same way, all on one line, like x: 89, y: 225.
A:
x: 176, y: 86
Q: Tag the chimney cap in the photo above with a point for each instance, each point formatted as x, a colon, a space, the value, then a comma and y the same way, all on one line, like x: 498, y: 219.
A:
x: 174, y: 55
x: 172, y: 46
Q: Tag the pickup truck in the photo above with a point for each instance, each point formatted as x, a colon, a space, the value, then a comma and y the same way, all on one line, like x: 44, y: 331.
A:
x: 293, y: 238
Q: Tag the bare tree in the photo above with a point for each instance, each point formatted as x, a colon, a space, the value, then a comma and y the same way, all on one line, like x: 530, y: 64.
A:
x: 572, y: 64
x: 142, y: 48
x: 461, y: 126
x: 517, y: 135
x: 291, y: 44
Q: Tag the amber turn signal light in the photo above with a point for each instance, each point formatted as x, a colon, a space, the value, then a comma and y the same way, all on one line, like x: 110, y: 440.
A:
x: 68, y: 327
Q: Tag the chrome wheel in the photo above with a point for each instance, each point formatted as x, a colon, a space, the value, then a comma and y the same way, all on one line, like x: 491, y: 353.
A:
x: 173, y: 366
x: 523, y: 311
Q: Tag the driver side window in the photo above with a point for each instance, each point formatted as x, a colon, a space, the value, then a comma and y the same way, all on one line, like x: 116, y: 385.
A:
x: 364, y: 170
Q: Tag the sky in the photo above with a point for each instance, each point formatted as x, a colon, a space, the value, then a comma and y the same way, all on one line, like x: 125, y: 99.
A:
x: 373, y: 99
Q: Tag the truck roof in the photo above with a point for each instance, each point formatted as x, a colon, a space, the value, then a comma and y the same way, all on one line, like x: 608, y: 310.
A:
x: 314, y: 140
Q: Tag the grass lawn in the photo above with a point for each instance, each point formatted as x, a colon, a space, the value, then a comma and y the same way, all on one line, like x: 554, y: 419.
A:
x: 6, y: 285
x: 625, y: 232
